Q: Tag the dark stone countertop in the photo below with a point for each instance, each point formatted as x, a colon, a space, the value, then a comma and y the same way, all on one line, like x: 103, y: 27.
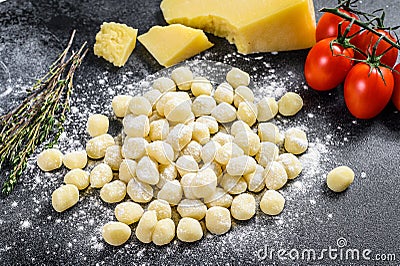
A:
x: 366, y: 216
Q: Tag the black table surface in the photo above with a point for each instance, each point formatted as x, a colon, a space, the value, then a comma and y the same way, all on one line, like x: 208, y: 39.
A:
x: 363, y: 218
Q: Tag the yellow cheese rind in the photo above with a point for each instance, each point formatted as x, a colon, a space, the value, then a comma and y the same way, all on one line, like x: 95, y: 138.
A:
x: 253, y: 26
x: 172, y: 44
x: 115, y: 42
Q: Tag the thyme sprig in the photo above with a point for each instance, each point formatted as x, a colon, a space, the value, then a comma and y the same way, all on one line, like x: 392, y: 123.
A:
x: 41, y: 114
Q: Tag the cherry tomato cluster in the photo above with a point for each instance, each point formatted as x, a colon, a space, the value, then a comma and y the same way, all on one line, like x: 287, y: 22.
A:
x: 358, y: 57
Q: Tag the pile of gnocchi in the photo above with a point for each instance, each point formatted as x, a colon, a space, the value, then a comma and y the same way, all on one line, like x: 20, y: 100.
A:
x: 188, y: 147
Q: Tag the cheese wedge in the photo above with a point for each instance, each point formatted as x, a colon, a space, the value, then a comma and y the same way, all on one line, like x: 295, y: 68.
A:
x: 174, y: 43
x: 252, y: 25
x: 115, y: 42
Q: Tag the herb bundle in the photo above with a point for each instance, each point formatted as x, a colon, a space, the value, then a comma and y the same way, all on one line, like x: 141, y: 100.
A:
x: 40, y: 115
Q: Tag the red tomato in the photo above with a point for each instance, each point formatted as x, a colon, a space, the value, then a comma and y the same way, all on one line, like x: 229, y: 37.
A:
x: 396, y: 89
x: 365, y: 92
x: 327, y: 26
x: 366, y: 40
x: 326, y: 69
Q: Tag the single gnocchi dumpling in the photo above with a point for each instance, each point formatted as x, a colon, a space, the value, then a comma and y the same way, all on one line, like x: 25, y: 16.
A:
x: 269, y: 132
x: 77, y: 177
x: 164, y: 84
x: 219, y: 198
x: 147, y: 171
x: 159, y: 129
x: 146, y: 226
x: 267, y: 109
x: 127, y: 170
x: 64, y: 197
x: 97, y: 125
x: 113, y: 157
x: 139, y: 192
x: 203, y: 105
x: 153, y: 96
x: 296, y: 141
x: 183, y: 77
x: 161, y: 207
x: 179, y: 136
x: 116, y: 233
x: 187, y: 185
x: 75, y: 159
x: 200, y: 133
x: 193, y: 149
x: 186, y: 164
x: 237, y: 77
x: 209, y: 151
x: 340, y: 178
x: 275, y: 176
x: 136, y: 126
x: 128, y: 212
x: 167, y: 173
x: 248, y: 141
x: 192, y: 208
x: 171, y: 192
x: 97, y: 146
x: 211, y: 123
x: 239, y: 126
x: 268, y: 152
x: 160, y: 151
x: 139, y: 105
x: 290, y: 104
x: 247, y: 112
x: 224, y: 93
x: 164, y: 232
x: 49, y: 160
x: 233, y: 184
x: 201, y: 86
x: 120, y: 105
x: 189, y: 230
x: 224, y: 113
x: 256, y: 180
x: 205, y: 183
x: 272, y: 202
x: 222, y: 138
x: 226, y: 152
x: 243, y: 206
x: 100, y: 175
x: 241, y: 165
x: 291, y: 163
x: 218, y: 220
x: 114, y: 191
x: 243, y: 94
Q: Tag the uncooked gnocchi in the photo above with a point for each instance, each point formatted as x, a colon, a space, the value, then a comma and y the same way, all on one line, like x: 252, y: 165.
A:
x: 128, y: 212
x: 116, y: 233
x: 218, y: 220
x: 272, y: 202
x: 75, y: 159
x: 199, y: 152
x: 50, y: 159
x: 189, y: 230
x: 97, y: 125
x: 64, y: 197
x: 340, y: 178
x: 290, y: 104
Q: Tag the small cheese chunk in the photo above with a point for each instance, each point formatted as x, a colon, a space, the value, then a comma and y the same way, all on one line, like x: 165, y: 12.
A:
x: 174, y: 43
x: 115, y: 42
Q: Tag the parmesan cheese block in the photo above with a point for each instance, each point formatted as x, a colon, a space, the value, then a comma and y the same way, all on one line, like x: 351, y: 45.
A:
x: 252, y: 25
x: 174, y: 43
x: 115, y: 42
